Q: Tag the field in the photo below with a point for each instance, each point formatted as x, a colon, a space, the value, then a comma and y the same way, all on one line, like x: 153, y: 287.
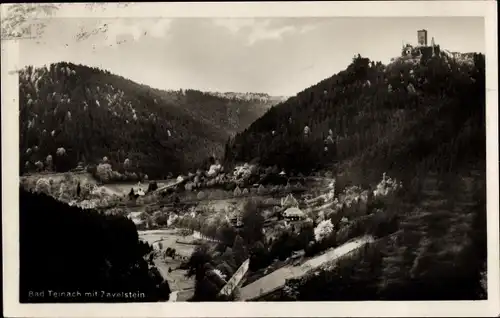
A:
x: 176, y: 278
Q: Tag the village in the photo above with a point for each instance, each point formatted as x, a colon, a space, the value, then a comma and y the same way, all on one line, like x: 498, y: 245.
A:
x: 177, y: 216
x: 284, y: 208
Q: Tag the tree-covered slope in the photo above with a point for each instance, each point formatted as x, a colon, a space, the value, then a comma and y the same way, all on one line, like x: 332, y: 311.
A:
x: 92, y: 113
x: 421, y: 121
x: 66, y: 249
x: 372, y: 117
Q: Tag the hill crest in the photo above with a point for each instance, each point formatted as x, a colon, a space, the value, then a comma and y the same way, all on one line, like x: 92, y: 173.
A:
x: 92, y: 113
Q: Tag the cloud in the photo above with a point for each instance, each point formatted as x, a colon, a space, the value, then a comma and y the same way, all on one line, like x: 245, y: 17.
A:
x: 255, y: 30
x: 308, y: 28
x: 263, y: 32
x: 156, y: 28
x: 234, y: 25
x: 159, y: 28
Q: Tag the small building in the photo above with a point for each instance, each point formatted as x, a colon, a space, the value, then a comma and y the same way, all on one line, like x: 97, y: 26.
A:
x: 237, y: 191
x: 294, y: 214
x: 289, y: 201
x: 236, y: 221
x: 214, y: 170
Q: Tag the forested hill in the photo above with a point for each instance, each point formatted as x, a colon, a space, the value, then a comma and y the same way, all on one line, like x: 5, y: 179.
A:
x: 422, y: 121
x: 64, y: 248
x: 91, y: 113
x: 413, y: 114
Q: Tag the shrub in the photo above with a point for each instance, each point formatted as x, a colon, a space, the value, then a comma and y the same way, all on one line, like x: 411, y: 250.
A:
x: 43, y: 186
x: 323, y: 230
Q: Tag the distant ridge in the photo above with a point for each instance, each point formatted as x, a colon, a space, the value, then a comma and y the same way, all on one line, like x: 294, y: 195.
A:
x: 92, y: 113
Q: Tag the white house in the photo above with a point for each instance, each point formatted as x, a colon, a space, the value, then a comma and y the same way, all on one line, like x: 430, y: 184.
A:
x: 294, y: 214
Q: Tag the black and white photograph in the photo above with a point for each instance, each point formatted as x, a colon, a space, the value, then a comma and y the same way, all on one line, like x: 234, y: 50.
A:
x: 234, y: 158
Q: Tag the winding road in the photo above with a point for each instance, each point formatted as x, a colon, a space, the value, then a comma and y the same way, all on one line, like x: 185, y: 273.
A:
x: 277, y: 279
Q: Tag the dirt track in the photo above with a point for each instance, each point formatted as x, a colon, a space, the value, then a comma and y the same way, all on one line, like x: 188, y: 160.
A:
x: 277, y: 279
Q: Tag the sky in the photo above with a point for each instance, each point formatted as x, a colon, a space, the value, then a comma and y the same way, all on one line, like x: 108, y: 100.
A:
x: 278, y: 56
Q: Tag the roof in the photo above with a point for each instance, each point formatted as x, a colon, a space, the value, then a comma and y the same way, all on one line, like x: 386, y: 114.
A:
x: 289, y: 200
x: 293, y: 212
x: 137, y: 221
x: 135, y: 214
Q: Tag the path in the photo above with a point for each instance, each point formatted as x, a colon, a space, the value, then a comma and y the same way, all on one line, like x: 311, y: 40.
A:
x: 235, y: 280
x: 165, y: 274
x: 172, y: 185
x: 277, y: 279
x: 173, y: 296
x: 181, y: 287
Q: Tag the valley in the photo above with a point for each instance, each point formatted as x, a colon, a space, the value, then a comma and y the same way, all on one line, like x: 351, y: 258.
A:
x: 366, y: 185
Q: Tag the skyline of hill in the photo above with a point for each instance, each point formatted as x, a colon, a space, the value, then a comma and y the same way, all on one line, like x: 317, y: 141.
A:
x: 418, y: 120
x: 368, y: 109
x: 92, y: 114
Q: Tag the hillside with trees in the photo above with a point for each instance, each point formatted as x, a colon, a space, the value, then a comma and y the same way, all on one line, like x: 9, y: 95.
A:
x: 73, y: 113
x: 419, y: 120
x: 67, y: 249
x: 370, y: 113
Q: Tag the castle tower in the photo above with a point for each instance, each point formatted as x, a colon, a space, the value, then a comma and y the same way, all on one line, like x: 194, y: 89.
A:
x: 422, y: 37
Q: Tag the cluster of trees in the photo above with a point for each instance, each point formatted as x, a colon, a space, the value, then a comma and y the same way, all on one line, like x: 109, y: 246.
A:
x: 104, y: 172
x: 411, y: 264
x: 213, y: 266
x: 71, y: 188
x: 431, y: 246
x: 237, y: 245
x: 91, y: 113
x: 423, y: 251
x: 248, y: 241
x: 67, y: 249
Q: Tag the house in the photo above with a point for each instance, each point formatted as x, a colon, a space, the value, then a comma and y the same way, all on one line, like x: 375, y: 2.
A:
x: 289, y: 201
x: 214, y: 170
x: 189, y: 186
x: 294, y: 214
x: 236, y: 221
x: 237, y: 191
